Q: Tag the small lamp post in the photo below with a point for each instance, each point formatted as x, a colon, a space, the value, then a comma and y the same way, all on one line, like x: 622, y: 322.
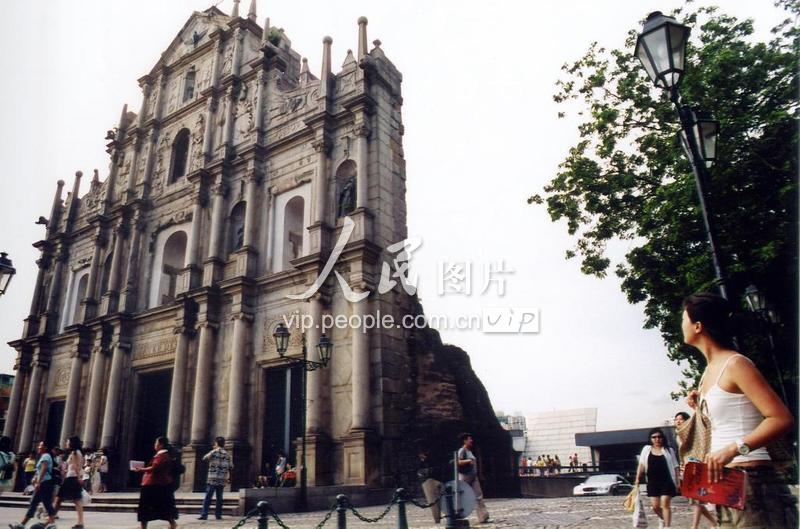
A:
x: 767, y: 318
x: 661, y: 48
x: 7, y: 271
x: 324, y: 352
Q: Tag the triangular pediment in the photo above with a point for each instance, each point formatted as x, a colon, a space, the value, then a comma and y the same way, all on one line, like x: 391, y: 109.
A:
x: 196, y: 32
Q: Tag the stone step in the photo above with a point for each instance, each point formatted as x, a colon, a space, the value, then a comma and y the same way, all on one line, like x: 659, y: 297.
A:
x: 126, y: 503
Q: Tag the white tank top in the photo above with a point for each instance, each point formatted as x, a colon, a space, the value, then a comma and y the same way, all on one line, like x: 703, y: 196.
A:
x: 732, y: 417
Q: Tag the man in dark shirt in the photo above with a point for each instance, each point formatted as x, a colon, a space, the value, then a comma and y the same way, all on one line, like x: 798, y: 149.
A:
x: 468, y: 473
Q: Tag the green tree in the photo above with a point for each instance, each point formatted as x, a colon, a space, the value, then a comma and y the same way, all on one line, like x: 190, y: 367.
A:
x: 628, y: 178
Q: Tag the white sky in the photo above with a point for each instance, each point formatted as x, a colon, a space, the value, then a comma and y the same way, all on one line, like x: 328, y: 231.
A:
x: 481, y: 136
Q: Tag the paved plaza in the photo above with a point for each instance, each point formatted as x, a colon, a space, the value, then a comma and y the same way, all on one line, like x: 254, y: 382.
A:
x: 597, y: 513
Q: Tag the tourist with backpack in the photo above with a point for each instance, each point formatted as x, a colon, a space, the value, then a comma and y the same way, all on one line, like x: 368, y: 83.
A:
x: 157, y: 496
x: 7, y: 465
x: 43, y: 484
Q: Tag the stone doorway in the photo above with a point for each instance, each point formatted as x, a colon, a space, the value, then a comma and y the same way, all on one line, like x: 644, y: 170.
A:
x: 152, y: 414
x: 283, y: 419
x: 55, y: 416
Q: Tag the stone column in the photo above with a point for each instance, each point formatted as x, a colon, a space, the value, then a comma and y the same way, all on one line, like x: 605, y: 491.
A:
x: 203, y: 381
x: 128, y: 300
x: 362, y: 180
x: 90, y: 301
x: 95, y: 400
x: 32, y: 405
x: 237, y: 389
x: 361, y: 369
x: 73, y: 396
x: 270, y: 229
x: 113, y: 397
x: 321, y: 182
x: 314, y: 378
x: 51, y: 321
x: 177, y: 392
x: 12, y: 416
x: 213, y: 263
x: 111, y: 298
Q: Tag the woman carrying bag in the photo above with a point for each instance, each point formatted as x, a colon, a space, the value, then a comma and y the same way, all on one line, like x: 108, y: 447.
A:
x: 745, y: 414
x: 660, y: 464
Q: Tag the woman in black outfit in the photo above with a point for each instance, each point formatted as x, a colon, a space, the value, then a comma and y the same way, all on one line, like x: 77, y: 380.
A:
x: 659, y: 462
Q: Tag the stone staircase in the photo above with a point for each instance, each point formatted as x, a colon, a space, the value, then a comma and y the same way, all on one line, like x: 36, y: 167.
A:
x: 126, y: 502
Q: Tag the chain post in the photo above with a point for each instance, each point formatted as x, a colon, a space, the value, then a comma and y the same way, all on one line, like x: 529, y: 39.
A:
x: 402, y: 522
x: 341, y: 511
x: 451, y: 511
x: 263, y: 519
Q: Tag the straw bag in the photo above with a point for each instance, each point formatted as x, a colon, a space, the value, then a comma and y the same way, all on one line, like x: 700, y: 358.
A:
x: 695, y: 434
x: 629, y: 504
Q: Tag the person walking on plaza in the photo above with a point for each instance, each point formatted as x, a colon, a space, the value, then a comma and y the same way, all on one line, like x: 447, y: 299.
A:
x: 72, y: 486
x: 698, y: 509
x: 660, y: 464
x: 29, y: 469
x: 468, y: 473
x: 7, y: 465
x: 43, y: 489
x: 746, y: 414
x: 157, y: 498
x: 430, y: 481
x: 219, y: 474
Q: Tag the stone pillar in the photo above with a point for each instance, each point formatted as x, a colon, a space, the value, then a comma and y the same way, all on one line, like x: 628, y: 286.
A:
x: 51, y: 317
x: 237, y: 388
x: 362, y: 180
x: 95, y: 400
x: 32, y: 404
x: 111, y: 298
x: 314, y: 378
x: 321, y: 182
x: 177, y: 392
x: 73, y: 396
x: 213, y: 264
x: 128, y: 300
x: 12, y: 416
x: 361, y: 369
x: 204, y: 377
x: 90, y: 301
x: 270, y: 229
x: 113, y: 397
x: 32, y: 321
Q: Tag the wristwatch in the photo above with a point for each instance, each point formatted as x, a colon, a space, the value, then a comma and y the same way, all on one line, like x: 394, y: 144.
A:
x: 742, y: 447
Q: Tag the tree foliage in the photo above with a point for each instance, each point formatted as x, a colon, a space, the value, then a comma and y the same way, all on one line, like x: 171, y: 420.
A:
x: 628, y: 178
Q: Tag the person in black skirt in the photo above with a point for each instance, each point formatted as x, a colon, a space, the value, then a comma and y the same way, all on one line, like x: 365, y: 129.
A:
x: 659, y: 463
x: 157, y: 497
x: 72, y: 487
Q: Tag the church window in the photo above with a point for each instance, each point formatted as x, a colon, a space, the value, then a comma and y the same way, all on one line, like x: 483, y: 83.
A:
x: 180, y: 154
x: 188, y: 85
x: 171, y: 265
x: 293, y: 230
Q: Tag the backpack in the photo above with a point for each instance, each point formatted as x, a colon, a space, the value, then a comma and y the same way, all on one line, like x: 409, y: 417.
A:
x: 177, y: 470
x: 7, y: 468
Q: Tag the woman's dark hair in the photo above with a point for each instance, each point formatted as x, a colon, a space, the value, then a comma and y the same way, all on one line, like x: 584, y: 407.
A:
x: 5, y: 444
x: 164, y: 442
x: 683, y: 415
x: 664, y: 440
x: 75, y: 443
x: 715, y: 313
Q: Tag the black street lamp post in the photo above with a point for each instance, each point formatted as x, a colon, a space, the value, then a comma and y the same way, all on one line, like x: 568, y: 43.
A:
x: 7, y: 271
x: 324, y: 350
x: 661, y: 48
x: 767, y: 318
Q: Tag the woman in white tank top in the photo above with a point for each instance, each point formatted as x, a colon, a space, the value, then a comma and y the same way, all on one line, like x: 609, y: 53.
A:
x: 746, y: 415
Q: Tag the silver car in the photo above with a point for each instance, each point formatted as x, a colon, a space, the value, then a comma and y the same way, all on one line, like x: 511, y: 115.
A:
x: 603, y: 485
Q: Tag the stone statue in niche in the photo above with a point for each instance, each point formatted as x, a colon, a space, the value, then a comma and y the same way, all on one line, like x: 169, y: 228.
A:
x: 347, y: 197
x: 227, y: 62
x: 173, y: 97
x: 197, y: 142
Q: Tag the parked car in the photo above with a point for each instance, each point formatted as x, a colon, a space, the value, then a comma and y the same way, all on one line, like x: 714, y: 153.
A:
x: 603, y: 485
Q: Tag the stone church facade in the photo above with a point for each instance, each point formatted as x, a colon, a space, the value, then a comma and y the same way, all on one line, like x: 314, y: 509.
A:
x: 159, y: 289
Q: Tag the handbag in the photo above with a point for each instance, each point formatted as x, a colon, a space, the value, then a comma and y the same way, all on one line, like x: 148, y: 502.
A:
x: 639, y: 518
x: 695, y: 434
x: 86, y: 498
x: 629, y: 503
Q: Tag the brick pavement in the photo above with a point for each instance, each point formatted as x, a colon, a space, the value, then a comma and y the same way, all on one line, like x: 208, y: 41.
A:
x: 594, y: 513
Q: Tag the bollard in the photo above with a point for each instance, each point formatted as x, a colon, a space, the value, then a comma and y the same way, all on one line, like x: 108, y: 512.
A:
x: 451, y: 511
x: 341, y: 511
x: 402, y: 522
x: 263, y: 519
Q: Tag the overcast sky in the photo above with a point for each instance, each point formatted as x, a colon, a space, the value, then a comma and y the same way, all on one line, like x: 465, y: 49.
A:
x: 481, y: 136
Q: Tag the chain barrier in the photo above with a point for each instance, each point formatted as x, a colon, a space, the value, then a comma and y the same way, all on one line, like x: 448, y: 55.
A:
x: 247, y: 517
x: 342, y: 504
